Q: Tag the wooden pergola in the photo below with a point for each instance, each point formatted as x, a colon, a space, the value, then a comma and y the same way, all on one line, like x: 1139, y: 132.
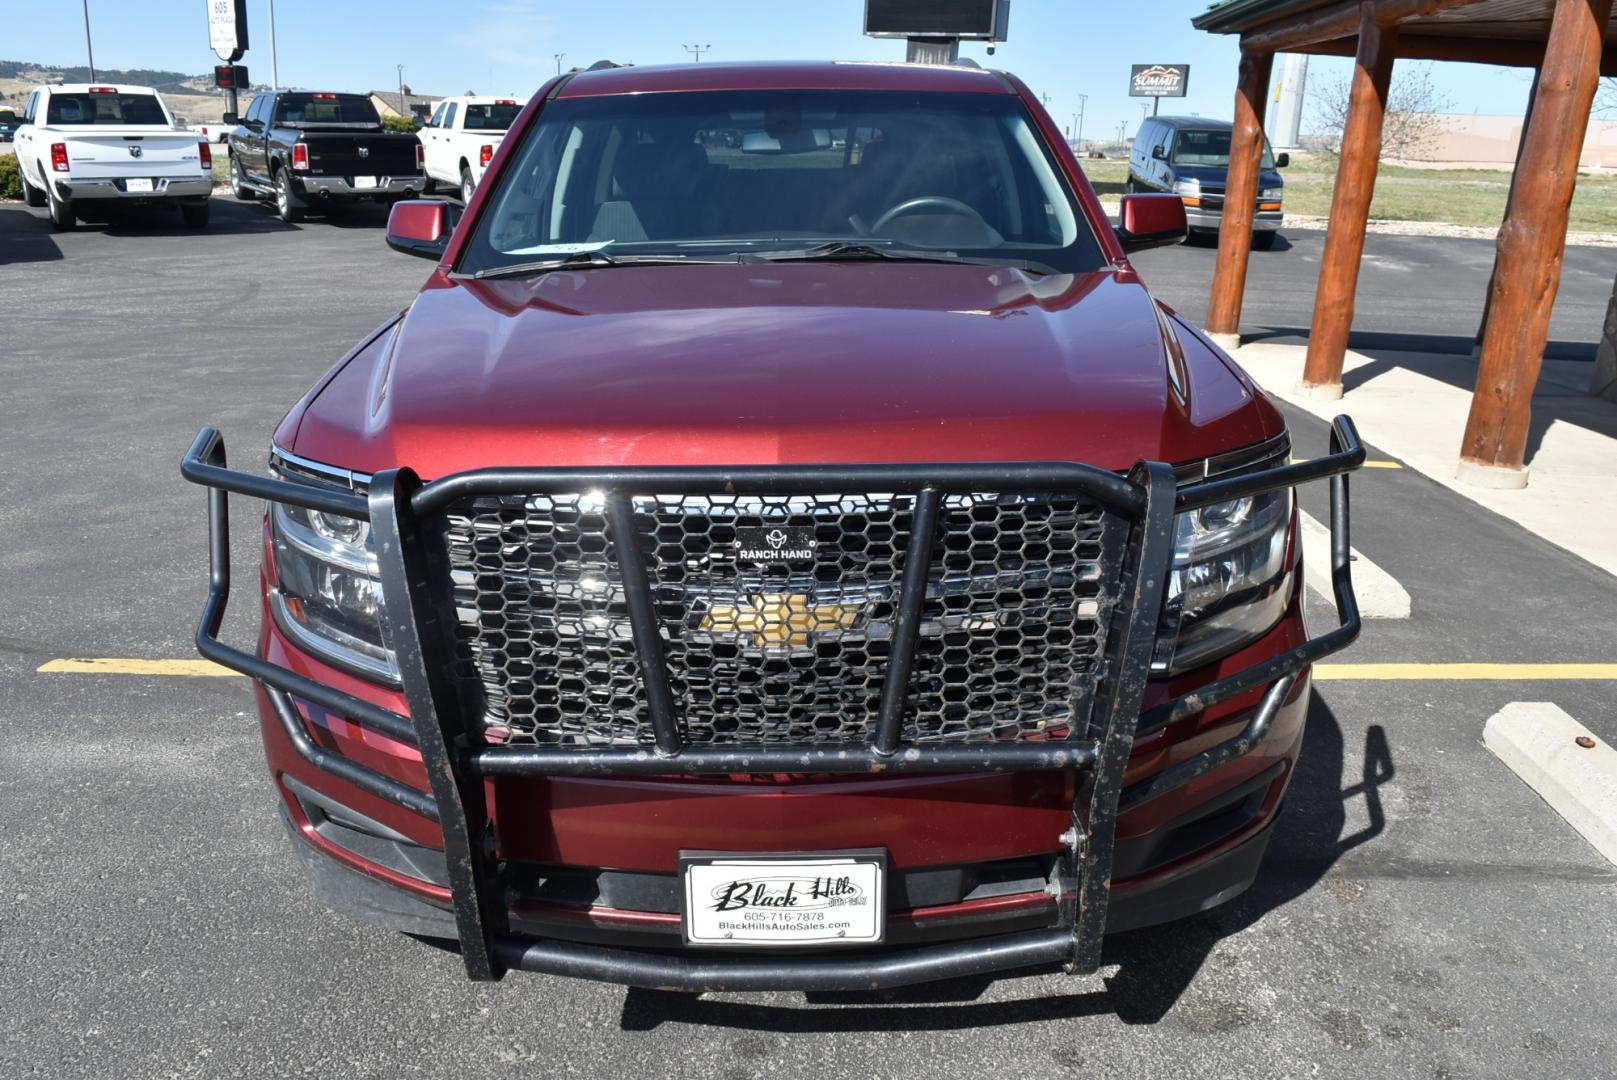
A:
x: 1564, y: 41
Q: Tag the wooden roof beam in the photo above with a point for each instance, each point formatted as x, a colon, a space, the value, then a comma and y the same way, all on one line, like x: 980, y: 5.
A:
x: 1527, y: 54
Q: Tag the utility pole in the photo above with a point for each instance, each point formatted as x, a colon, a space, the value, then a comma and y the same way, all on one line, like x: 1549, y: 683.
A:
x: 1122, y: 126
x: 88, y: 48
x: 696, y: 51
x: 1083, y: 99
x: 558, y: 57
x: 275, y: 57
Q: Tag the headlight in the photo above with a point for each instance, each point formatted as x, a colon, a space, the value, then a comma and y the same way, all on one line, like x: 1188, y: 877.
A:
x: 1230, y: 583
x: 1271, y: 193
x: 328, y: 593
x: 1187, y: 187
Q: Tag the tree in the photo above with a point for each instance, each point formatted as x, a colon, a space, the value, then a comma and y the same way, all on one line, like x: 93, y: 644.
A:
x: 1414, y: 117
x: 1605, y: 97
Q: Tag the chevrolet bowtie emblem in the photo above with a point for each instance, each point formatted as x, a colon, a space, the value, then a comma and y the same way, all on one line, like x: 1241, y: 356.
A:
x: 780, y: 619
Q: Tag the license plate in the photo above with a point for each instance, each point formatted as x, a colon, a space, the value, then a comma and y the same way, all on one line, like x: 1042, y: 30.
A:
x: 785, y: 900
x: 138, y: 185
x: 364, y: 183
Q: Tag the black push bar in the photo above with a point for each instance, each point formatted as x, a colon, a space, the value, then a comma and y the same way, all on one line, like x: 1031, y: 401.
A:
x: 418, y: 625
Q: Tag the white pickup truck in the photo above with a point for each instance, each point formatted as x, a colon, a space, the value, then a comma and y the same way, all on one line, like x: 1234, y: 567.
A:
x: 462, y: 136
x: 80, y: 143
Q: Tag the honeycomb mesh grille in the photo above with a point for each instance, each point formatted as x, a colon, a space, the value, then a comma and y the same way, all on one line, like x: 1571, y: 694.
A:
x: 1011, y: 642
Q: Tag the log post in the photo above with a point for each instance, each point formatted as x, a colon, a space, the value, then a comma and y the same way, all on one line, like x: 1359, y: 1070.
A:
x: 1532, y: 242
x: 1350, y: 209
x: 1240, y: 200
x: 1521, y: 140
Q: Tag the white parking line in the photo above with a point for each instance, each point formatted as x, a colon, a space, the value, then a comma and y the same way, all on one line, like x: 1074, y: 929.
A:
x: 1380, y: 595
x: 1564, y: 763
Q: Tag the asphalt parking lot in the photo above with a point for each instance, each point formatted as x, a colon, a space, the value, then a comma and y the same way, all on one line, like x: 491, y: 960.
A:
x: 1422, y: 914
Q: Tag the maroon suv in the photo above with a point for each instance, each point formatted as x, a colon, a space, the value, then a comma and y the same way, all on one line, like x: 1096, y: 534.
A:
x: 784, y: 545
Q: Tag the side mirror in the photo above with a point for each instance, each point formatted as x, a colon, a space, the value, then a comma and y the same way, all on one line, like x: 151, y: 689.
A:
x: 1151, y: 221
x: 231, y: 119
x: 421, y: 227
x: 1282, y: 161
x: 1159, y: 153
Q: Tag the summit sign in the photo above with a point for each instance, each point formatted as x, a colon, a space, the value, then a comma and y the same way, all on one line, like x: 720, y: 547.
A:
x: 1159, y: 80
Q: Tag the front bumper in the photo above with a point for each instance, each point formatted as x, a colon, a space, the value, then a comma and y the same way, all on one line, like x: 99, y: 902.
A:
x: 166, y: 187
x: 1198, y: 217
x: 344, y: 187
x: 462, y: 768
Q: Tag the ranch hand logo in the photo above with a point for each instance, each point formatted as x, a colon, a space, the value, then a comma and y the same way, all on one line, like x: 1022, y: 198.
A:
x: 775, y: 543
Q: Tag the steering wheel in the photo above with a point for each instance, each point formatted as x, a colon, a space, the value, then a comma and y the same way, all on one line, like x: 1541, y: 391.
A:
x: 928, y: 202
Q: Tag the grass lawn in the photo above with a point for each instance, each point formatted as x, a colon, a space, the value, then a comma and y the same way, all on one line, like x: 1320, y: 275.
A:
x: 1456, y: 196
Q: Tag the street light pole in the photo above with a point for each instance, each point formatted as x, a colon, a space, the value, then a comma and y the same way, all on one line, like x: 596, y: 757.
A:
x: 1083, y: 99
x: 88, y: 48
x: 404, y: 106
x: 696, y: 51
x: 558, y: 57
x: 275, y: 56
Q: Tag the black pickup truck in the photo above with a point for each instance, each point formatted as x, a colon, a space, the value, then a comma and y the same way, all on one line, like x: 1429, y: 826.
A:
x: 298, y: 148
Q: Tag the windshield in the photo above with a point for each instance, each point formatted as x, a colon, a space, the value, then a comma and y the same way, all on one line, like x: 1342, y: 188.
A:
x: 102, y: 108
x: 491, y: 117
x: 1210, y: 148
x: 307, y: 110
x: 727, y: 173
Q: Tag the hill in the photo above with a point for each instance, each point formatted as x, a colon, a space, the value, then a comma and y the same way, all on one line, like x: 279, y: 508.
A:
x: 192, y: 97
x: 32, y: 72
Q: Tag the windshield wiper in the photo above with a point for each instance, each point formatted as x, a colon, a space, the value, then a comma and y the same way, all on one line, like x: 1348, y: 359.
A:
x: 584, y: 260
x: 853, y: 251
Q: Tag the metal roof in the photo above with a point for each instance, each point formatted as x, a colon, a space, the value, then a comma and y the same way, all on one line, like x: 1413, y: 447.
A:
x: 1234, y: 16
x: 1489, y: 20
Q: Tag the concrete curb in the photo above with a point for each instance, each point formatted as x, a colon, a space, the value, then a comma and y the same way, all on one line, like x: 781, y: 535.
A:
x: 1380, y: 595
x: 1539, y: 741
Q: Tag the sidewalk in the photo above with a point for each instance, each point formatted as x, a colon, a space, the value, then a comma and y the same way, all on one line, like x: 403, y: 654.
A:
x: 1412, y: 406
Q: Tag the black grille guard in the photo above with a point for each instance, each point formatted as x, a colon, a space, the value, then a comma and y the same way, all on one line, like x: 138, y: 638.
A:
x: 457, y: 757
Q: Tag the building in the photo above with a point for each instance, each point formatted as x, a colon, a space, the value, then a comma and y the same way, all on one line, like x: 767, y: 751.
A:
x: 1490, y: 142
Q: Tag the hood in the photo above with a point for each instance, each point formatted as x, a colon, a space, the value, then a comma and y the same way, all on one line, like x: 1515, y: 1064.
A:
x: 1218, y: 174
x: 791, y: 363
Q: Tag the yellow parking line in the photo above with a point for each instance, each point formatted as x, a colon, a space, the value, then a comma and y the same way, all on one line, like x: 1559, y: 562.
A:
x: 126, y: 666
x: 1467, y: 672
x: 1367, y: 464
x: 1323, y: 672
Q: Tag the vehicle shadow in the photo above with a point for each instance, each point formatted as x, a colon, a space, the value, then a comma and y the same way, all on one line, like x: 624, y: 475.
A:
x: 26, y: 236
x: 1154, y: 966
x: 226, y: 218
x: 359, y: 215
x: 1204, y: 238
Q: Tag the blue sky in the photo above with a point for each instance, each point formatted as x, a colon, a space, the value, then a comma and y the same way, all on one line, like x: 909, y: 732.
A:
x: 1063, y: 48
